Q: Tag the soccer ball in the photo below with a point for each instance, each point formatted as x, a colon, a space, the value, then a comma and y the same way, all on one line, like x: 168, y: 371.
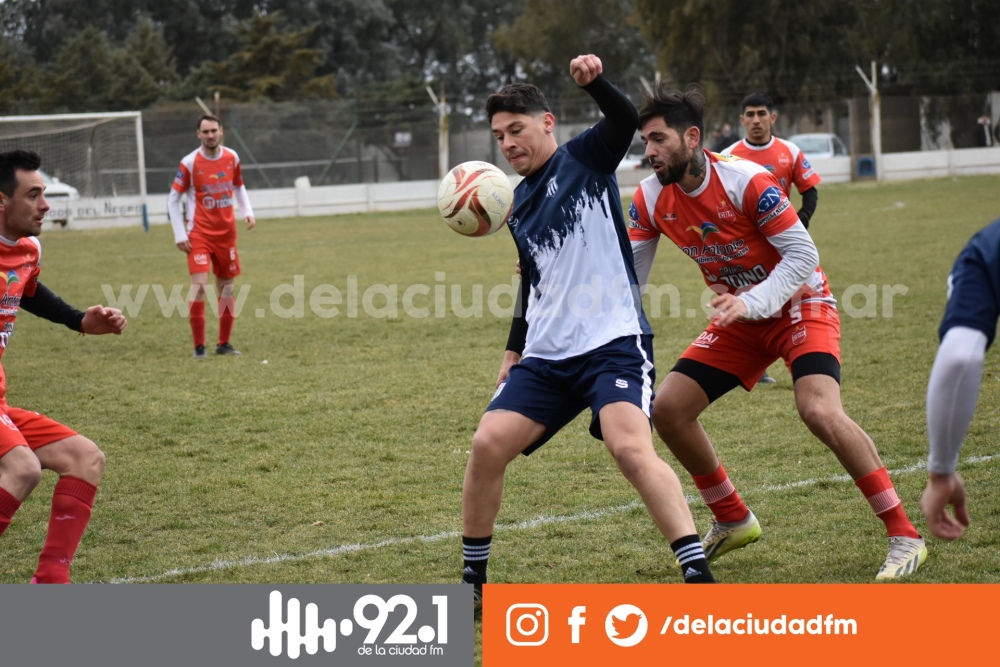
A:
x: 475, y: 198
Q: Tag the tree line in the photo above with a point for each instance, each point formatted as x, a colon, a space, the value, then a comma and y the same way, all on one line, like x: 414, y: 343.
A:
x: 110, y: 55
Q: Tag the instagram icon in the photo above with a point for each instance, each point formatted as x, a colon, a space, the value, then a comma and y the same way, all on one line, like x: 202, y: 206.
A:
x: 527, y: 624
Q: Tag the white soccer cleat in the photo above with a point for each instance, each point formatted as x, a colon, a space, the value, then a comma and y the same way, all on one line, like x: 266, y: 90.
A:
x: 906, y: 554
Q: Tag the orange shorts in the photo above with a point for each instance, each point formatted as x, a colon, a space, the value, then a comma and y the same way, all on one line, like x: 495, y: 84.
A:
x: 217, y: 254
x: 746, y: 348
x: 23, y: 427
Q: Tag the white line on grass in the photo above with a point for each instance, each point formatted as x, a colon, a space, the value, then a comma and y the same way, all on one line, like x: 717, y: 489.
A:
x: 220, y: 565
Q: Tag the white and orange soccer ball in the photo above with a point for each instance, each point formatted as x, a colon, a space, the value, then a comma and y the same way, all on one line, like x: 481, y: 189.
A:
x: 475, y: 198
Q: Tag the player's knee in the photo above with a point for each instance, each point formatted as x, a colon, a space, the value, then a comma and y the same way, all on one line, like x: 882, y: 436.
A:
x: 22, y: 470
x: 632, y: 459
x: 88, y: 460
x: 668, y: 413
x: 817, y: 416
x: 490, y: 448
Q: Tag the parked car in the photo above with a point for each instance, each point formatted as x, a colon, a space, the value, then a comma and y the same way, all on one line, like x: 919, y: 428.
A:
x: 634, y: 159
x: 59, y: 195
x: 819, y: 145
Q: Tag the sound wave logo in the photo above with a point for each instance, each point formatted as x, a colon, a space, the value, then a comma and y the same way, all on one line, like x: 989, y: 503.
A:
x: 290, y: 628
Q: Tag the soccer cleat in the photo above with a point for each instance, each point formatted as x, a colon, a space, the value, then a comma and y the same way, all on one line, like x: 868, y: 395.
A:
x: 477, y: 599
x: 766, y: 379
x: 906, y: 554
x: 725, y: 537
x: 226, y: 348
x: 199, y: 352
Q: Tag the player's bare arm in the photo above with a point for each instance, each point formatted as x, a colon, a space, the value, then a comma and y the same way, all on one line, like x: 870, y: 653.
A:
x: 942, y: 491
x: 510, y: 358
x: 185, y: 246
x: 100, y: 320
x: 251, y: 222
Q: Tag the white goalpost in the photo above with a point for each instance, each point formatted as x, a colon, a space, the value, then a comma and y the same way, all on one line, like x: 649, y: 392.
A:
x: 94, y: 163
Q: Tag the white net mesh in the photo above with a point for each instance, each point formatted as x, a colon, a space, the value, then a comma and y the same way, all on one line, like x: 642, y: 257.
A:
x: 97, y: 154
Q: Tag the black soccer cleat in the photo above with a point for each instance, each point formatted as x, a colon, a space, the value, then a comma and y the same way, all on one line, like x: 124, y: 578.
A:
x: 226, y: 348
x: 199, y: 352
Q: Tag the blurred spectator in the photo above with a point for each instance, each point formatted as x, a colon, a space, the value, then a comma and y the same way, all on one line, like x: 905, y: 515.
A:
x: 983, y: 133
x: 726, y: 138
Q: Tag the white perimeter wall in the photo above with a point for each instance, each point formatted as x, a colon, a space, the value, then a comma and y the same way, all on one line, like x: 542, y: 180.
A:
x: 304, y: 200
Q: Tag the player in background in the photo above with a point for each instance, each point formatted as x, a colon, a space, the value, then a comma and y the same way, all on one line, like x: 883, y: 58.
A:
x: 565, y: 355
x: 773, y: 302
x: 781, y: 158
x: 967, y: 331
x: 31, y: 442
x: 212, y: 180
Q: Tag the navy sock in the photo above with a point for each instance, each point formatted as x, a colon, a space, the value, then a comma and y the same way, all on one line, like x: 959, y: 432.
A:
x: 694, y: 565
x: 476, y: 556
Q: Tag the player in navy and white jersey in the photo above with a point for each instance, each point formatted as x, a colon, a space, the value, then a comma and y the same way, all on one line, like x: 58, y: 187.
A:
x: 584, y: 340
x: 967, y: 331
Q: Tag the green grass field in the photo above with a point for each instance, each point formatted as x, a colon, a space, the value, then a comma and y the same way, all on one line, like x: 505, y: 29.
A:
x: 333, y: 450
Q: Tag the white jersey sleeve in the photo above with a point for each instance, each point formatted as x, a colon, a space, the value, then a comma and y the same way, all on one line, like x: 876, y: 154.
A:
x: 799, y: 259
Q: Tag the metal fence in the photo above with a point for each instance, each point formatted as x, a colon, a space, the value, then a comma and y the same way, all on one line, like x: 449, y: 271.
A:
x: 347, y: 141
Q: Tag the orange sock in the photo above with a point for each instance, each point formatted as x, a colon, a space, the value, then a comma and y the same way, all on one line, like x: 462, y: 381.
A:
x: 71, y: 508
x: 227, y: 316
x: 720, y: 496
x: 196, y: 317
x: 8, y: 505
x: 881, y: 495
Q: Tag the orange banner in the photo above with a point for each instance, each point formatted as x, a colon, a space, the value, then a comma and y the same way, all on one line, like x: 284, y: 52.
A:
x: 847, y: 625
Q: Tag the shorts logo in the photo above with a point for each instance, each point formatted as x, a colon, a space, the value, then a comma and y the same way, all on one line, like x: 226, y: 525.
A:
x: 232, y: 254
x: 799, y: 334
x: 499, y: 389
x: 705, y: 340
x: 8, y: 422
x: 200, y: 258
x: 621, y: 384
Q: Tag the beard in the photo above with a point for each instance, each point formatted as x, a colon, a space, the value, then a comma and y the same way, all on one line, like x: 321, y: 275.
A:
x: 673, y: 173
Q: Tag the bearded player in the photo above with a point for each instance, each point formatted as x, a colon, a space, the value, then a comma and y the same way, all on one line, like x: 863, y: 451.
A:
x: 773, y: 302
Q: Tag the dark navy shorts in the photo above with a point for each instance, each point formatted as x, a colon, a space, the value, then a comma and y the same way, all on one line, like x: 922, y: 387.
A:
x: 553, y: 393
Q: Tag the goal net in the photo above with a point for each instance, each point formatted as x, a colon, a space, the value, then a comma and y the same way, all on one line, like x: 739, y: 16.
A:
x: 94, y: 161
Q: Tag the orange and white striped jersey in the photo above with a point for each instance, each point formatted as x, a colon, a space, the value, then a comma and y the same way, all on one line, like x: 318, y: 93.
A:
x: 212, y: 186
x: 781, y: 158
x: 724, y: 225
x: 19, y: 268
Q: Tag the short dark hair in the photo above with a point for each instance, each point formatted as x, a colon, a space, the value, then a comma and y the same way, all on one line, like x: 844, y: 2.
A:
x: 209, y: 116
x: 757, y: 100
x: 10, y: 162
x: 522, y: 98
x: 678, y: 109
